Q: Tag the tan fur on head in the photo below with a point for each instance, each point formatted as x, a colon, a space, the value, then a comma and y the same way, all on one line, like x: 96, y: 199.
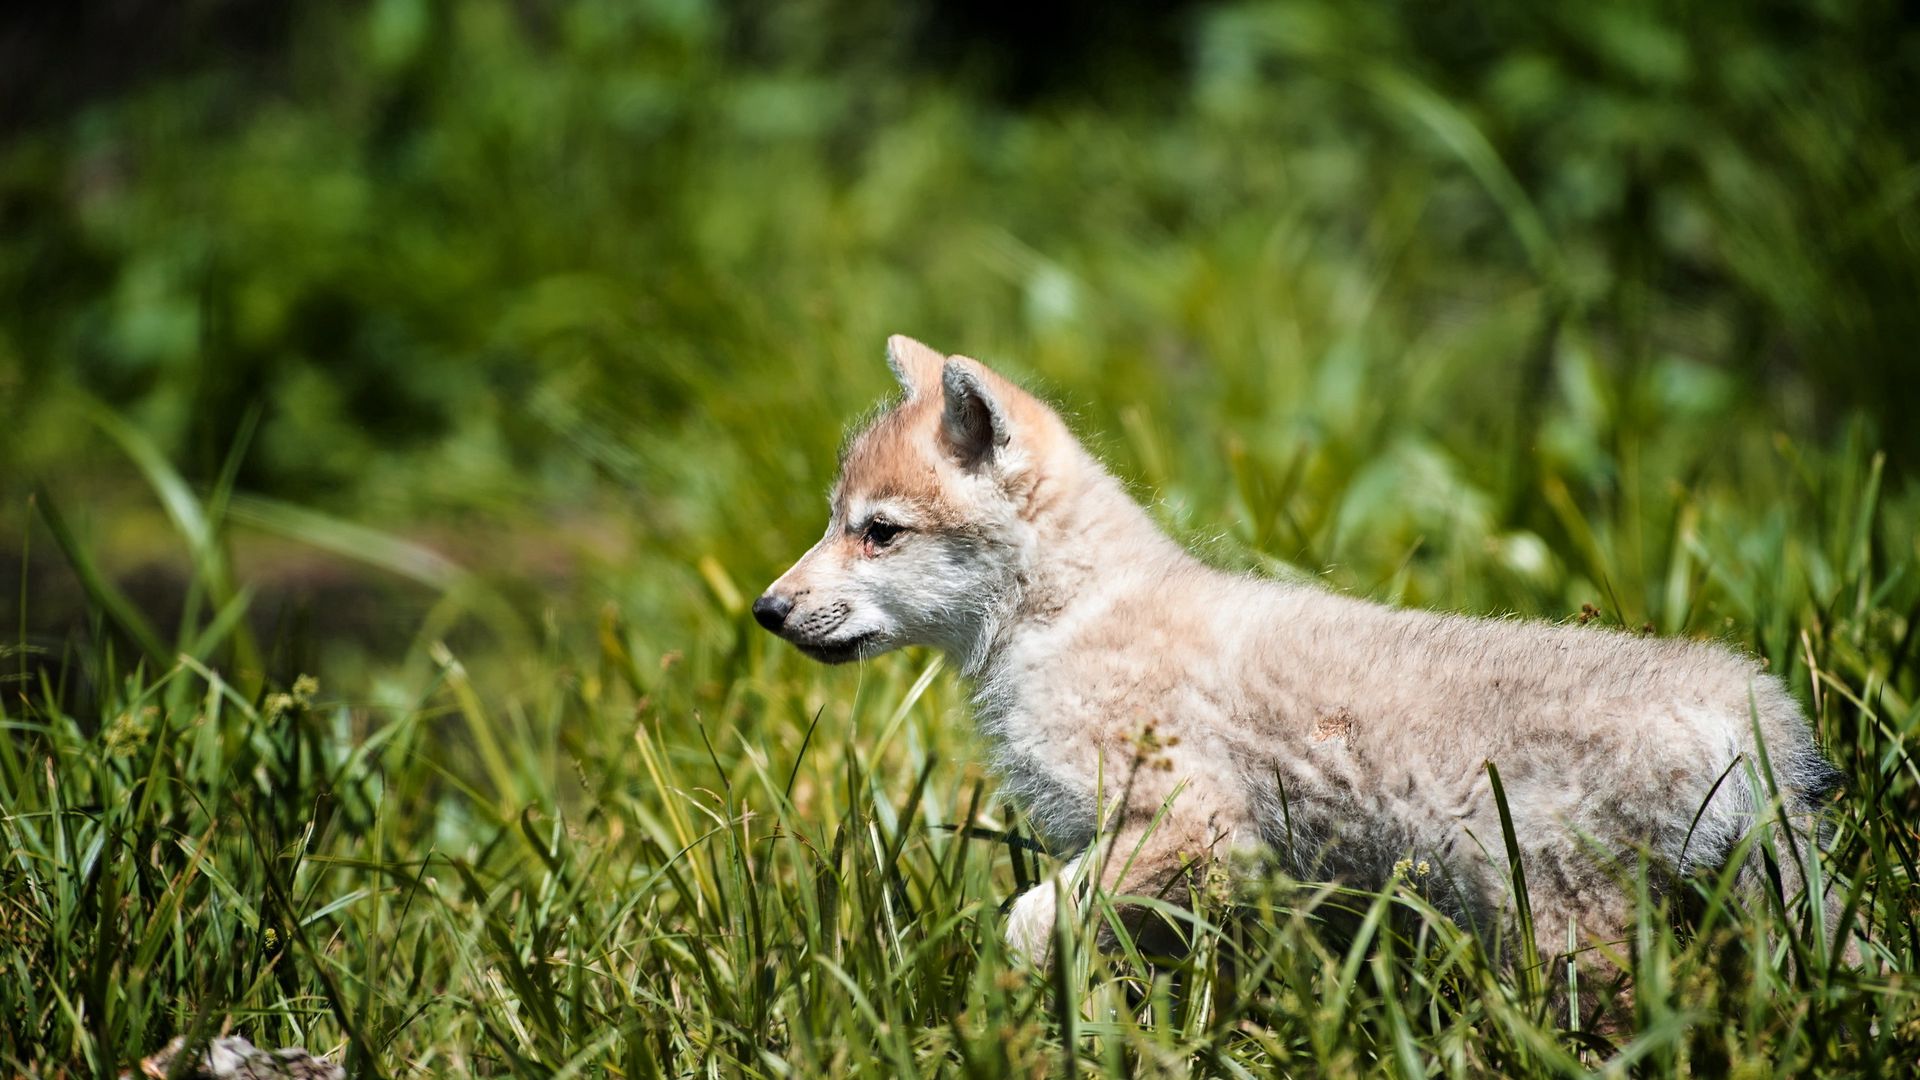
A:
x: 915, y: 365
x: 1122, y: 685
x: 973, y: 399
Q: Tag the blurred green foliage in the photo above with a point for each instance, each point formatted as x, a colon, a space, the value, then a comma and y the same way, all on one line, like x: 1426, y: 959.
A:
x: 1477, y: 306
x: 426, y: 237
x: 1435, y: 299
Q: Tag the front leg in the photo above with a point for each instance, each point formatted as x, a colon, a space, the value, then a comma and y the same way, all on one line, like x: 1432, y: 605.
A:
x: 1031, y: 919
x: 1161, y: 859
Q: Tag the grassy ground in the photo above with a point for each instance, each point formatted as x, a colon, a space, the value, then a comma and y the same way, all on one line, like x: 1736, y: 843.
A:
x: 548, y: 368
x: 609, y: 859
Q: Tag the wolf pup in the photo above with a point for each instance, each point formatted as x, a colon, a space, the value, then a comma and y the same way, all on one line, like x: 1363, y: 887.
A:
x: 1184, y: 713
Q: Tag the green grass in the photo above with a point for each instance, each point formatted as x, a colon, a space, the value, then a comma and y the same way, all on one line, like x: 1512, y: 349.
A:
x: 541, y: 338
x: 590, y: 858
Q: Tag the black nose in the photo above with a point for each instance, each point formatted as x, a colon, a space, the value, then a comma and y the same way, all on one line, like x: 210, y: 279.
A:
x: 771, y: 611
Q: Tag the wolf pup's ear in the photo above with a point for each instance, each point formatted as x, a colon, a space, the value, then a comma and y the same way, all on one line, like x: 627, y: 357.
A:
x: 915, y: 365
x: 973, y: 422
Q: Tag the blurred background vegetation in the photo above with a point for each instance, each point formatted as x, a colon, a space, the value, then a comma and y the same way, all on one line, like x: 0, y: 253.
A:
x: 574, y: 294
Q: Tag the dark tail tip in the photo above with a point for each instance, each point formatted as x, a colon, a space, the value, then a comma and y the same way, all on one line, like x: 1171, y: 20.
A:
x: 1815, y: 779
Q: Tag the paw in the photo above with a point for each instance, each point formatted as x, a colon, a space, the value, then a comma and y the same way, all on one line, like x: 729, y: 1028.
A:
x: 1030, y: 924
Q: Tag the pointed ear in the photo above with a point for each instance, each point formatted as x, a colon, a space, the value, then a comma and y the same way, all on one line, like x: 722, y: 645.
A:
x: 915, y: 365
x: 973, y: 422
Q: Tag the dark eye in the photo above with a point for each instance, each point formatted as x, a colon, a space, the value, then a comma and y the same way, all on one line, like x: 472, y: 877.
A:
x: 879, y: 534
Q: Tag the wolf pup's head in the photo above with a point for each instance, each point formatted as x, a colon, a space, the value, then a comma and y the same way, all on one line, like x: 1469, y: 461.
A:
x: 932, y: 518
